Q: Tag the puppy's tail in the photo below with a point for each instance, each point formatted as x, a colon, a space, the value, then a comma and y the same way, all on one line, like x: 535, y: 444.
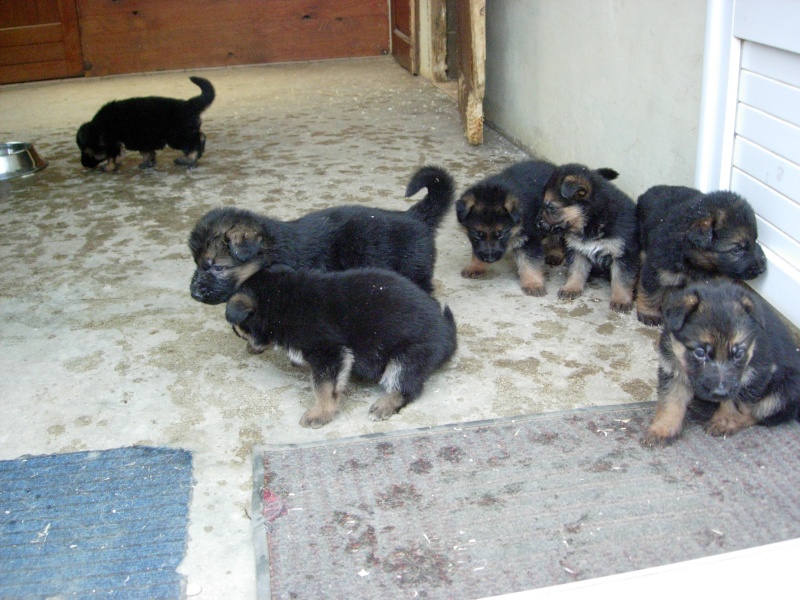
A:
x: 452, y: 344
x: 441, y: 189
x: 206, y: 97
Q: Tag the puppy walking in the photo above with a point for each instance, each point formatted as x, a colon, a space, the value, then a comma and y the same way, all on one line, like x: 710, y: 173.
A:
x: 724, y: 345
x: 370, y: 322
x: 500, y: 212
x: 146, y: 125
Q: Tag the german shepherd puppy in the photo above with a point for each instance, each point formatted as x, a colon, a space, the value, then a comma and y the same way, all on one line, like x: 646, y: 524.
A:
x: 500, y: 212
x: 230, y: 244
x: 146, y: 124
x: 598, y: 223
x: 724, y: 345
x: 370, y: 322
x: 688, y: 236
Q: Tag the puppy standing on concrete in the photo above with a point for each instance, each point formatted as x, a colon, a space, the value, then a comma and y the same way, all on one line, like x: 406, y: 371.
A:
x: 688, y: 236
x: 230, y: 244
x: 724, y: 345
x: 371, y: 322
x: 598, y: 222
x: 500, y: 212
x: 146, y: 125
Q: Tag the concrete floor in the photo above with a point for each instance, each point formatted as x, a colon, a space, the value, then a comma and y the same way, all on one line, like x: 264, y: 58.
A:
x: 103, y: 346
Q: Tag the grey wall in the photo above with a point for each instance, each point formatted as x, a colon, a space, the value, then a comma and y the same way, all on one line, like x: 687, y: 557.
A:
x: 612, y: 83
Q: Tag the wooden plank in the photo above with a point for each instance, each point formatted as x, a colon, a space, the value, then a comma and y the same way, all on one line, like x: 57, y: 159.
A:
x: 774, y: 208
x: 772, y: 97
x: 471, y: 25
x: 776, y: 135
x: 149, y: 36
x: 72, y: 38
x: 770, y: 169
x: 33, y: 72
x: 32, y: 34
x: 771, y: 62
x: 35, y: 53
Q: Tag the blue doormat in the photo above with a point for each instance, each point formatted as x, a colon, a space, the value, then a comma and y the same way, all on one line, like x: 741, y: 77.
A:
x: 95, y: 524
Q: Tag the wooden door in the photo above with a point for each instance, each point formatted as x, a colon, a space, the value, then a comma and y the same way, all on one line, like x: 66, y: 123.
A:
x: 39, y: 39
x: 471, y: 33
x: 404, y: 34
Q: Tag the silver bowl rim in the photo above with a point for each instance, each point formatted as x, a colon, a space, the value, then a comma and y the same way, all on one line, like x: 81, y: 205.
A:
x: 23, y: 147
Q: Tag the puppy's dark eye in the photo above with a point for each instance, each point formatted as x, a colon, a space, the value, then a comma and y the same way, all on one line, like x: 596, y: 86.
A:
x: 700, y: 353
x: 217, y: 268
x: 549, y: 208
x: 737, y: 250
x: 738, y: 353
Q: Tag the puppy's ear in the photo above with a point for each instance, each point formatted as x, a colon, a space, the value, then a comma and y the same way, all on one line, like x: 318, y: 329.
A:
x: 607, y: 174
x: 678, y: 308
x: 575, y: 188
x: 754, y: 309
x: 244, y: 242
x: 514, y: 208
x: 464, y: 206
x: 701, y: 232
x: 239, y: 307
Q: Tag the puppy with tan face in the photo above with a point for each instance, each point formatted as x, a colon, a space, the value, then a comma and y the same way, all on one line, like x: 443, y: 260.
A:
x: 230, y: 244
x: 499, y: 213
x: 598, y: 224
x: 688, y: 236
x: 723, y: 345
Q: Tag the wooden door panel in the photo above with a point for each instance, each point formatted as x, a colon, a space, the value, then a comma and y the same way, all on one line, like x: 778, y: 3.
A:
x: 404, y: 47
x: 149, y: 35
x: 39, y: 39
x: 471, y: 32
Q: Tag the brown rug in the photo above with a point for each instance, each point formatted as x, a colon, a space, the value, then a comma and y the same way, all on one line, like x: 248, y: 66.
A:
x: 481, y: 509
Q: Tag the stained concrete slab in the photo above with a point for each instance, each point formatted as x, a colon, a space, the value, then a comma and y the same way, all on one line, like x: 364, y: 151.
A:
x: 103, y: 346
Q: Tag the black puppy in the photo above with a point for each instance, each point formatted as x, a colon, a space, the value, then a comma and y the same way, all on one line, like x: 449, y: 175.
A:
x: 598, y: 222
x: 500, y: 212
x: 230, y: 244
x: 146, y: 125
x: 724, y: 345
x: 689, y: 236
x: 370, y: 322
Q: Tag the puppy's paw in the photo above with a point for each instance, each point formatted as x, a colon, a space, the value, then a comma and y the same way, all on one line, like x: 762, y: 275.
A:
x: 728, y: 423
x: 657, y: 437
x: 649, y: 319
x: 315, y: 418
x: 471, y: 272
x: 621, y: 307
x: 108, y: 167
x: 385, y: 407
x: 569, y: 293
x: 534, y: 290
x: 184, y: 161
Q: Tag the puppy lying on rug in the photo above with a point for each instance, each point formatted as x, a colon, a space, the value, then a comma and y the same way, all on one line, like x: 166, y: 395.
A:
x: 724, y: 345
x: 230, y: 244
x: 688, y: 236
x: 371, y: 322
x: 146, y: 125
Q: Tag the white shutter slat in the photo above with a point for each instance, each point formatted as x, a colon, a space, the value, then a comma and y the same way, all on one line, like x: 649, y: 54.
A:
x: 771, y: 206
x: 770, y: 169
x: 776, y: 135
x: 772, y: 97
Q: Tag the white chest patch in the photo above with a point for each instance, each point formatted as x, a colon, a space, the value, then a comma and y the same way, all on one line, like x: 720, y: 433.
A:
x: 594, y: 250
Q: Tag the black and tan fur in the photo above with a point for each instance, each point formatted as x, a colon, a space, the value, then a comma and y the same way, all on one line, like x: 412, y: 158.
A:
x: 370, y: 322
x: 723, y: 345
x: 146, y: 125
x: 230, y: 244
x: 598, y: 224
x: 687, y: 236
x: 499, y: 213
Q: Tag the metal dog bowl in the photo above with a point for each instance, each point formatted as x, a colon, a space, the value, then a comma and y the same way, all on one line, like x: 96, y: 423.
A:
x: 18, y: 159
